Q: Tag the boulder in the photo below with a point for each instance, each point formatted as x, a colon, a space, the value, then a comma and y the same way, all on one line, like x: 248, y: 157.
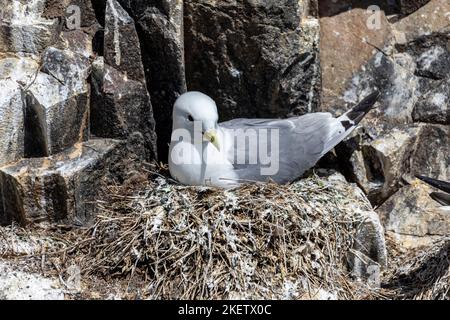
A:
x: 120, y: 103
x: 430, y: 155
x: 23, y: 29
x: 45, y: 104
x: 428, y: 19
x: 413, y: 218
x: 161, y: 33
x: 121, y: 107
x: 78, y: 24
x: 400, y: 88
x: 403, y: 58
x: 121, y: 43
x: 347, y: 44
x: 431, y: 55
x: 254, y: 58
x: 15, y: 73
x: 11, y: 122
x: 434, y: 106
x: 380, y: 162
x: 61, y: 89
x: 407, y: 59
x: 62, y: 188
x: 78, y: 42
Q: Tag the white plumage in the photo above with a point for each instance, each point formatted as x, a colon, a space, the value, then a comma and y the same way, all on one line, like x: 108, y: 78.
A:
x: 205, y: 152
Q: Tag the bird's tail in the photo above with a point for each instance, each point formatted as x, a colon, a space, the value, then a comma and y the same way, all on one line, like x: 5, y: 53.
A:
x: 441, y: 185
x: 354, y: 116
x: 345, y: 124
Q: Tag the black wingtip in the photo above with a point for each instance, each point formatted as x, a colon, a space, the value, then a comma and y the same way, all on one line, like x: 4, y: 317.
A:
x: 441, y: 185
x: 368, y: 102
x: 441, y: 198
x: 364, y: 107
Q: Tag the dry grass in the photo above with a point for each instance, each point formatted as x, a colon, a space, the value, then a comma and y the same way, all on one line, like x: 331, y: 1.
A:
x: 422, y: 275
x: 259, y: 241
x: 265, y: 241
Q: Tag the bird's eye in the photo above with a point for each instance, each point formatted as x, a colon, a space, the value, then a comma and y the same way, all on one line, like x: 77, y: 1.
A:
x: 190, y: 118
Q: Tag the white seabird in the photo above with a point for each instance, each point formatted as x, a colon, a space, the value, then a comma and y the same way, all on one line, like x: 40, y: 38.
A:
x: 206, y: 152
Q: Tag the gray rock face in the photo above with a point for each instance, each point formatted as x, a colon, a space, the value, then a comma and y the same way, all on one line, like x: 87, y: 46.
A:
x: 23, y: 29
x: 63, y: 187
x: 414, y: 83
x: 414, y: 218
x: 121, y: 43
x: 121, y: 104
x: 431, y: 54
x: 161, y: 33
x: 434, y: 106
x: 61, y: 90
x: 380, y: 163
x: 44, y: 103
x: 407, y: 60
x: 67, y: 11
x: 120, y: 107
x: 409, y: 6
x: 48, y: 170
x: 255, y: 58
x: 59, y: 85
x: 377, y: 165
x: 11, y: 122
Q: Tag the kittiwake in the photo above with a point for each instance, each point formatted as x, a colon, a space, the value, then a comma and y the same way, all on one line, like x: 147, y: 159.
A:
x: 206, y: 152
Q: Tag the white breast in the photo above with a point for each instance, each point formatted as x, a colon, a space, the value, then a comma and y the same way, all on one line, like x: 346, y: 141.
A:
x: 202, y: 165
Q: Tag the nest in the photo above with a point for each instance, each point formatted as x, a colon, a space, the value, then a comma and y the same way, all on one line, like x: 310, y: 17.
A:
x: 159, y: 240
x: 261, y: 241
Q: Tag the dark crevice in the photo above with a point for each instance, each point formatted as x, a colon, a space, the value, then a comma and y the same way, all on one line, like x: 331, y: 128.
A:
x: 56, y: 189
x: 373, y: 165
x: 99, y: 9
x: 35, y: 138
x: 11, y: 202
x: 98, y: 42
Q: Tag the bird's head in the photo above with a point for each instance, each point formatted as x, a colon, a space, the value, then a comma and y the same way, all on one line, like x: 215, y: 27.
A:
x: 197, y: 113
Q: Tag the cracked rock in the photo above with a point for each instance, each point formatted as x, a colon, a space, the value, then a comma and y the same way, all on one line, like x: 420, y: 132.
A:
x: 413, y: 217
x: 121, y: 107
x: 254, y: 58
x: 61, y: 188
x: 61, y: 90
x: 121, y: 43
x: 23, y: 29
x: 161, y: 33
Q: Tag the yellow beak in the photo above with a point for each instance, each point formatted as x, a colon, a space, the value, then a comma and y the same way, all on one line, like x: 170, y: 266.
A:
x: 211, y: 136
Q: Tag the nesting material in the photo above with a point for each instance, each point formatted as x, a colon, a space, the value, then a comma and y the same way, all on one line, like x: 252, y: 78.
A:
x: 421, y: 275
x: 153, y: 238
x: 258, y: 241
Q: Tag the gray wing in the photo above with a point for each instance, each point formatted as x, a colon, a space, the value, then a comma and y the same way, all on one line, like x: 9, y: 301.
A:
x: 302, y: 142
